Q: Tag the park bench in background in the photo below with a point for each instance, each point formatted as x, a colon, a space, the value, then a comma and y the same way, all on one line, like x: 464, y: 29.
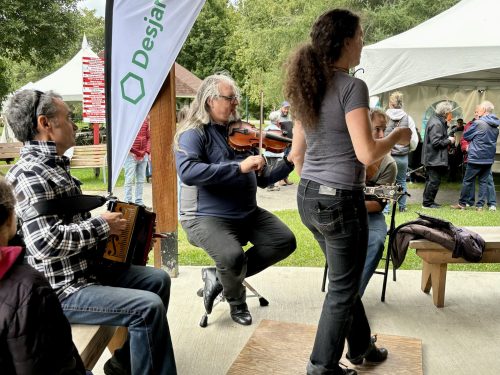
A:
x: 8, y: 152
x: 90, y: 156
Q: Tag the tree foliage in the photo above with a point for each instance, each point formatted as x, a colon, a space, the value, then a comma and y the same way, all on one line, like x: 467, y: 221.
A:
x: 268, y: 31
x: 55, y: 37
x: 206, y: 50
x: 92, y: 26
x: 35, y: 31
x: 252, y: 39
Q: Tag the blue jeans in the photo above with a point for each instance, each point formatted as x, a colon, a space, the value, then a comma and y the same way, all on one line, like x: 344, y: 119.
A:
x: 136, y: 298
x: 482, y: 172
x: 339, y: 224
x: 402, y: 165
x: 492, y: 195
x: 377, y: 230
x: 135, y: 171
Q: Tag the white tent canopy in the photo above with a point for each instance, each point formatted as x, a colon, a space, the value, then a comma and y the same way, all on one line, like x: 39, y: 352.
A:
x: 455, y: 56
x: 67, y: 81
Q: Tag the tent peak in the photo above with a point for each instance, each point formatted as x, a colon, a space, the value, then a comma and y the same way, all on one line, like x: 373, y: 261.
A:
x: 85, y: 43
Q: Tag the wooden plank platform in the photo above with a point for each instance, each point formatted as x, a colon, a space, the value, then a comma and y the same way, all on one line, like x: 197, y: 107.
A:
x: 282, y: 348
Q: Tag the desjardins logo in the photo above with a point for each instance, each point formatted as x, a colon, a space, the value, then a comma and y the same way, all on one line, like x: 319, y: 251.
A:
x: 132, y: 84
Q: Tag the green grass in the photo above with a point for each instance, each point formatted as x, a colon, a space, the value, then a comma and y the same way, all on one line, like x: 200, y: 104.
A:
x: 90, y: 182
x: 308, y: 253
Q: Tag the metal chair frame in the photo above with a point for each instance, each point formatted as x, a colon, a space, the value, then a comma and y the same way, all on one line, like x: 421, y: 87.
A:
x: 220, y: 298
x: 387, y: 257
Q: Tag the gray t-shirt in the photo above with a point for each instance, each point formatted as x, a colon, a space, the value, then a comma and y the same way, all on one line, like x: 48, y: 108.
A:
x: 330, y: 158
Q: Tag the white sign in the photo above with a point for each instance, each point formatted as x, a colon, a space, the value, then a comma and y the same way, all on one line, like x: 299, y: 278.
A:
x: 146, y: 37
x: 94, y: 102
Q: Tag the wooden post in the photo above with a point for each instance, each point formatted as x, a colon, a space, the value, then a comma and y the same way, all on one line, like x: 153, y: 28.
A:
x: 163, y: 126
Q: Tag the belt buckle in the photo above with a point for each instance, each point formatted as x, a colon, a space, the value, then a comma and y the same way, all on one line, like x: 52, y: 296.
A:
x: 327, y: 190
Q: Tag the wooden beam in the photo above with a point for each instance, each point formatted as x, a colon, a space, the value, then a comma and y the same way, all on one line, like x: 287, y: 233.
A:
x: 163, y: 127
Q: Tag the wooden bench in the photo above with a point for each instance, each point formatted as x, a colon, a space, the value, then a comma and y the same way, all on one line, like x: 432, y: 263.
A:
x: 435, y: 259
x: 9, y: 152
x: 90, y: 156
x: 91, y: 340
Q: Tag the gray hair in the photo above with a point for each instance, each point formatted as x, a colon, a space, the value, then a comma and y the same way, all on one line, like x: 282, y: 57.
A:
x: 487, y: 106
x: 198, y: 112
x: 396, y: 100
x: 443, y: 108
x: 376, y: 111
x: 22, y: 115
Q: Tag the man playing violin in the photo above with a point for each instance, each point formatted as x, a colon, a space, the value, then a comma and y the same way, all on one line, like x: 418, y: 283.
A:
x: 218, y: 205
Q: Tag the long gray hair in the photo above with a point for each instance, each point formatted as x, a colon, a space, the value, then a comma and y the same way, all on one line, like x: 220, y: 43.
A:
x: 198, y: 112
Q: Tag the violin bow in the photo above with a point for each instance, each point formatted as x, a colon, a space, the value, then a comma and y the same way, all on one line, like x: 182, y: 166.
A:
x: 261, y: 121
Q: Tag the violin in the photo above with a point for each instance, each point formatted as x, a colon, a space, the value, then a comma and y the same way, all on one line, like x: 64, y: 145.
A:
x: 244, y: 136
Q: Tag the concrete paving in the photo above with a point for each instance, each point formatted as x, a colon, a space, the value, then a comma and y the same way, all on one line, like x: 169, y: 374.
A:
x: 286, y: 197
x: 461, y: 338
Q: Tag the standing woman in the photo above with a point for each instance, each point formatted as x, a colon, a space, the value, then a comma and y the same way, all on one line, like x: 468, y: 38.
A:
x: 333, y: 109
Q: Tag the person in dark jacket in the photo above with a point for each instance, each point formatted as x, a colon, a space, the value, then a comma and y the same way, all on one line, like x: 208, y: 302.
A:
x: 435, y: 153
x: 218, y: 206
x: 35, y: 336
x: 482, y: 136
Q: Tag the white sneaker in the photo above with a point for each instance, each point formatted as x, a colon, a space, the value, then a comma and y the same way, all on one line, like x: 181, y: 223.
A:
x: 492, y: 208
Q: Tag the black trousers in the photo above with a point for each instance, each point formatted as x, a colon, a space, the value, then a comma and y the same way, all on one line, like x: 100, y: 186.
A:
x: 432, y: 181
x: 223, y: 239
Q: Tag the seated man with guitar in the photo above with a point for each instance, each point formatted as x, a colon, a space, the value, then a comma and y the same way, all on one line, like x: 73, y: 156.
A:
x: 383, y: 172
x: 218, y: 205
x: 67, y: 247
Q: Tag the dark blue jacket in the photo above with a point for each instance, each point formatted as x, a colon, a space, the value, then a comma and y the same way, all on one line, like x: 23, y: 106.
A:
x: 482, y: 135
x: 211, y: 181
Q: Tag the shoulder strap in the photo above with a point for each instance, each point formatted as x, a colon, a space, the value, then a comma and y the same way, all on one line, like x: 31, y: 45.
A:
x: 64, y: 206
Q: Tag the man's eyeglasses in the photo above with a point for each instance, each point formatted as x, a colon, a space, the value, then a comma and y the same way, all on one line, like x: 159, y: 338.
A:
x: 35, y: 107
x: 232, y: 99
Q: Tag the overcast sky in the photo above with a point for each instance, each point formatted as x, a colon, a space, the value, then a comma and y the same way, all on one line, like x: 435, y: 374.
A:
x: 98, y: 5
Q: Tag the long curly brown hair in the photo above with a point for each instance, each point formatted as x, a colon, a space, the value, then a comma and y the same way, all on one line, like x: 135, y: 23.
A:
x: 310, y: 67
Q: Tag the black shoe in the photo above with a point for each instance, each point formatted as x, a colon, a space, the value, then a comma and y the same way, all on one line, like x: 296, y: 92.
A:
x: 349, y: 371
x: 113, y: 367
x: 372, y: 354
x: 345, y: 370
x: 211, y: 289
x: 433, y: 205
x: 240, y: 314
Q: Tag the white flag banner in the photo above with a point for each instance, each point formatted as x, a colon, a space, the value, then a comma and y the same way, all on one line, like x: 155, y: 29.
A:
x: 143, y: 39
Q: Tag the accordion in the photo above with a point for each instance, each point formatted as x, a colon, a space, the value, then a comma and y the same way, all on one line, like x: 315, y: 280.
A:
x: 135, y: 241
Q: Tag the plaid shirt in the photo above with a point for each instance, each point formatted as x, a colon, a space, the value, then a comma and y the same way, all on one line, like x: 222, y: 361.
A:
x: 58, y: 246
